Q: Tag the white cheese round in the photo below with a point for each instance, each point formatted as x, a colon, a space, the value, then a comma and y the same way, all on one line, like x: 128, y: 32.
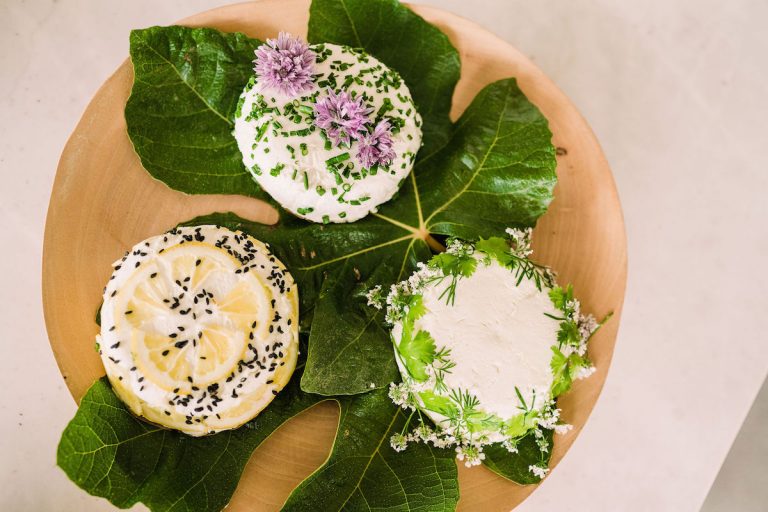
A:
x: 199, y: 329
x: 475, y: 347
x: 499, y: 336
x: 299, y: 166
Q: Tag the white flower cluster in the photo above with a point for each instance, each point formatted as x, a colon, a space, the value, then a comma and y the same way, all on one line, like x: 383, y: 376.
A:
x: 539, y: 471
x: 396, y: 300
x: 471, y: 455
x: 521, y: 241
x: 468, y: 445
x: 584, y: 372
x: 459, y: 248
x: 375, y: 297
x: 550, y: 419
x: 587, y: 326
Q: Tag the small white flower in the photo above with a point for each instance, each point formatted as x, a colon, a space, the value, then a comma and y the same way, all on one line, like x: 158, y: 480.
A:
x: 521, y: 241
x: 584, y: 372
x: 587, y: 327
x: 510, y: 445
x: 538, y: 471
x: 472, y: 455
x: 562, y: 428
x: 423, y: 275
x: 374, y: 297
x: 575, y: 306
x: 549, y: 417
x: 398, y: 442
x: 424, y: 433
x: 400, y: 394
x: 459, y: 248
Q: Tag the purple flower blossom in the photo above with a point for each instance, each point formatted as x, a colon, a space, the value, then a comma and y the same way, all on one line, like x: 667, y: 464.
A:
x: 376, y: 147
x: 285, y: 64
x: 341, y: 116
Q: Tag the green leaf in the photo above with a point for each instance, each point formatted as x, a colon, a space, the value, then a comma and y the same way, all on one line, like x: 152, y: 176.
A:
x: 520, y: 424
x: 568, y: 333
x: 341, y: 344
x: 438, y: 403
x: 561, y: 372
x: 514, y: 466
x: 417, y: 352
x: 401, y: 39
x: 363, y: 472
x: 497, y: 248
x: 180, y: 114
x: 455, y: 265
x: 497, y: 170
x: 561, y: 296
x: 110, y: 453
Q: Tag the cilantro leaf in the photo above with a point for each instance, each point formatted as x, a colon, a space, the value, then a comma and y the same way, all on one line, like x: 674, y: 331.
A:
x: 417, y: 351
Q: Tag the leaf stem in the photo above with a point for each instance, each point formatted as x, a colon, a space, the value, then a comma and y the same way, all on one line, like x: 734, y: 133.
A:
x: 434, y: 244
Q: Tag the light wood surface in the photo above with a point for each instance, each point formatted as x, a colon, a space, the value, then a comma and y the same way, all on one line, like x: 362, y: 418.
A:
x: 103, y: 202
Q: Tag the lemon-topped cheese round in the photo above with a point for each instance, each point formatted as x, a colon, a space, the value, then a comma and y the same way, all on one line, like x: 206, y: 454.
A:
x: 199, y: 328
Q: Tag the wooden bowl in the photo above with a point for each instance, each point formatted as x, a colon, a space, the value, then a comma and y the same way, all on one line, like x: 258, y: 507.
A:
x: 103, y: 202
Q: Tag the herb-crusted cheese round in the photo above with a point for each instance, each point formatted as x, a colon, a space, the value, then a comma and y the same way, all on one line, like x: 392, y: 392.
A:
x: 199, y: 329
x: 303, y: 166
x: 485, y: 341
x: 498, y: 333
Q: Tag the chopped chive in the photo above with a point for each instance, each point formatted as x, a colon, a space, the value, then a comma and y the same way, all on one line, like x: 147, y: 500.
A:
x: 337, y: 159
x: 261, y: 132
x: 276, y: 170
x: 301, y: 133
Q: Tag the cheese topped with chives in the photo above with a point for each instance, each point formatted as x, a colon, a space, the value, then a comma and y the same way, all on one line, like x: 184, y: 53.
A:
x: 199, y: 329
x: 328, y: 131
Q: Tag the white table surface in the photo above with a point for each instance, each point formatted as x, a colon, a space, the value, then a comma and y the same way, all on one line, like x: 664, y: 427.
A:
x: 676, y: 92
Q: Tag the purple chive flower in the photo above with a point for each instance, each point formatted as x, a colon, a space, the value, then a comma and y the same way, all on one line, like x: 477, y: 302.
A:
x: 285, y: 64
x: 376, y: 147
x: 342, y: 117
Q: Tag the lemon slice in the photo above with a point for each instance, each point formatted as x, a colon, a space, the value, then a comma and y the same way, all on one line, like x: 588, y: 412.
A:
x: 199, y: 329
